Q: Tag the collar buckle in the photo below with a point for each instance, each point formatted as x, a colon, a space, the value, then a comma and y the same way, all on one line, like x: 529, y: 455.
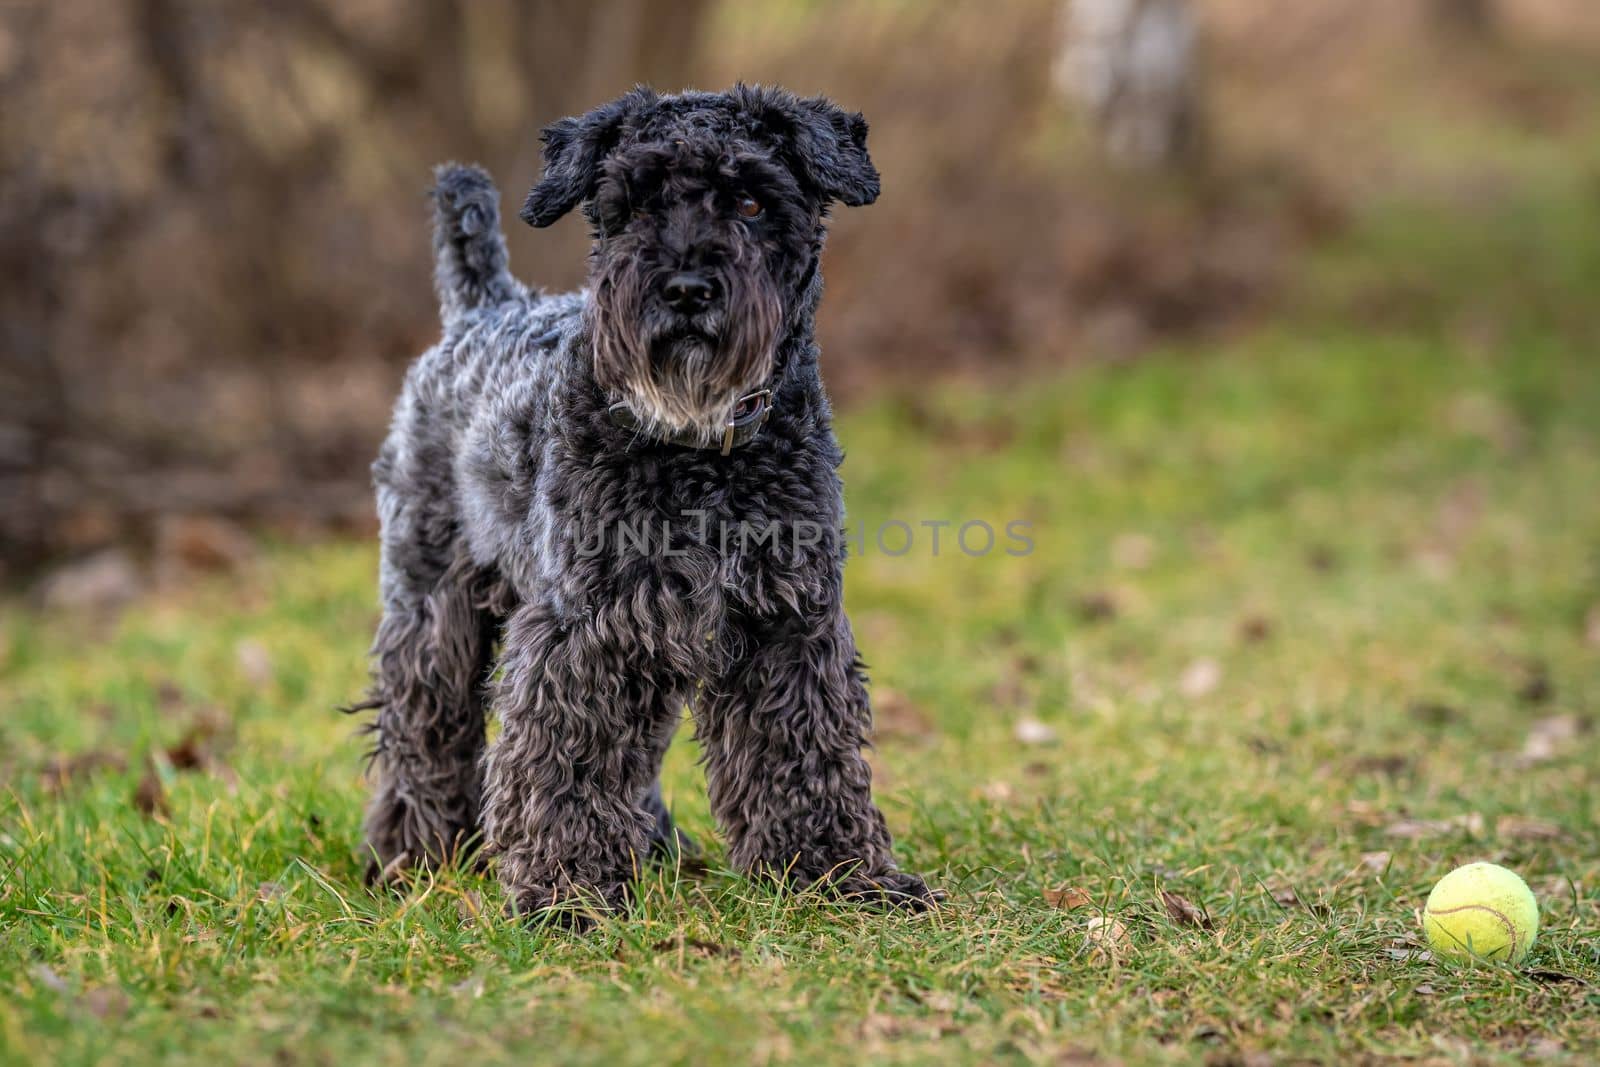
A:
x: 754, y: 418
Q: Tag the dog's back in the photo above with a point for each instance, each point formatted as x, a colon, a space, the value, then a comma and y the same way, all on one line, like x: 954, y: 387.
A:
x: 460, y: 462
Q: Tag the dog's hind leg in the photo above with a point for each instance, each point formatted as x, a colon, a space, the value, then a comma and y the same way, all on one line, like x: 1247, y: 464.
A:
x: 667, y: 841
x: 430, y: 662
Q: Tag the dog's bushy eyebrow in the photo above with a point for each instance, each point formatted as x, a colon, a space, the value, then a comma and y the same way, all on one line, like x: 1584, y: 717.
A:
x: 822, y: 146
x: 638, y: 173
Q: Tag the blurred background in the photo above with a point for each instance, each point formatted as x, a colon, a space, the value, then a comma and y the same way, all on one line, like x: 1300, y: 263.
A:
x: 213, y: 227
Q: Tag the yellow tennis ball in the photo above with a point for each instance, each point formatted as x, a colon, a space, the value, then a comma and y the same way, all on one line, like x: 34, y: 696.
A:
x: 1481, y: 911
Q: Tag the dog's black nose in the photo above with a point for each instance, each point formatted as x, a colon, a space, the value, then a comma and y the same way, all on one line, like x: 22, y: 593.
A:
x: 688, y: 292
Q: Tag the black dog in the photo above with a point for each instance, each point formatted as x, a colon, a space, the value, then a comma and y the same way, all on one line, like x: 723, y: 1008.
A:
x: 633, y: 490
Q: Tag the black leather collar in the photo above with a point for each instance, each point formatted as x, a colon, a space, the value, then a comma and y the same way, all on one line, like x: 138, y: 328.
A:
x: 749, y: 415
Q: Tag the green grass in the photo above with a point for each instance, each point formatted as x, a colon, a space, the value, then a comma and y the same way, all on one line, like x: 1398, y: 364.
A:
x: 1381, y: 543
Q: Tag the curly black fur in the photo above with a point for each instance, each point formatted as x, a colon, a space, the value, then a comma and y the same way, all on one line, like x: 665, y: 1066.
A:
x: 503, y: 465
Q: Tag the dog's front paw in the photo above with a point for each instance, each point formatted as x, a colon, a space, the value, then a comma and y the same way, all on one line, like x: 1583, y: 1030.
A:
x: 889, y: 891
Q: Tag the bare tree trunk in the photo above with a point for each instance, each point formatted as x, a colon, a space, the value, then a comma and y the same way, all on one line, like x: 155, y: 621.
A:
x: 1132, y: 65
x: 266, y: 156
x: 1473, y: 19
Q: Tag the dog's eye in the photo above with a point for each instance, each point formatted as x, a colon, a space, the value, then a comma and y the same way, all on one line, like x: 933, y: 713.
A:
x: 748, y: 207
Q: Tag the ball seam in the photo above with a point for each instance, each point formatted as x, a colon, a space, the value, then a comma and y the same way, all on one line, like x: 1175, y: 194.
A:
x: 1511, y: 927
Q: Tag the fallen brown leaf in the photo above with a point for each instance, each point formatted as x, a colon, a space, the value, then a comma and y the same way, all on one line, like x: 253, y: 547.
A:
x: 1376, y: 862
x: 1027, y: 662
x: 1133, y: 551
x: 199, y: 749
x: 1289, y: 897
x: 1253, y: 629
x: 1547, y: 737
x: 105, y: 1002
x: 1067, y: 898
x: 1471, y: 822
x: 1200, y: 678
x: 1434, y: 713
x: 170, y: 695
x: 1536, y: 687
x: 1366, y: 813
x: 202, y: 543
x: 997, y: 791
x: 1008, y: 692
x: 1322, y: 559
x: 1389, y: 766
x: 1408, y: 954
x: 103, y: 581
x: 254, y: 662
x: 1528, y: 828
x: 1548, y: 977
x: 1109, y: 936
x: 1184, y: 912
x: 149, y: 796
x: 63, y: 770
x: 1034, y: 732
x: 1096, y: 607
x: 937, y: 1000
x: 895, y: 715
x: 188, y: 754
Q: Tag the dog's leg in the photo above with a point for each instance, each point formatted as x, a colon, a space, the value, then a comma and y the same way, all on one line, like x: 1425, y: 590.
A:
x: 782, y: 734
x: 430, y: 660
x: 584, y: 721
x: 667, y: 841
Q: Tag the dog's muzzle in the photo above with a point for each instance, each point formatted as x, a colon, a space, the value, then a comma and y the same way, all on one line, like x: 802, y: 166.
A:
x: 749, y: 415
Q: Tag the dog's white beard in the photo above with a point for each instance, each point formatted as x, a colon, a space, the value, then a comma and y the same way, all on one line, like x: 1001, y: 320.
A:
x: 695, y: 386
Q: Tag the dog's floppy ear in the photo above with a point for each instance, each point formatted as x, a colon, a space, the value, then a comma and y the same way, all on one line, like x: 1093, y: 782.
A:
x: 831, y: 144
x: 574, y: 148
x: 825, y: 145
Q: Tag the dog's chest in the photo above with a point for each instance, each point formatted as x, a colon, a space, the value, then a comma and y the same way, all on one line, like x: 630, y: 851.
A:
x: 766, y: 537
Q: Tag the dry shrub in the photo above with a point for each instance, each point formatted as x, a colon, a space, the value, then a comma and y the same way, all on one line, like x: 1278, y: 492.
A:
x: 213, y: 261
x: 1000, y: 244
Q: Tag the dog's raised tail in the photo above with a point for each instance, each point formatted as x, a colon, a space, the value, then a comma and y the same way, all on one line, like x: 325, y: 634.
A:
x: 470, y: 266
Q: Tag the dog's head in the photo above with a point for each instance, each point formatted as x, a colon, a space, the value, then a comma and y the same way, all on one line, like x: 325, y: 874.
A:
x: 708, y: 214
